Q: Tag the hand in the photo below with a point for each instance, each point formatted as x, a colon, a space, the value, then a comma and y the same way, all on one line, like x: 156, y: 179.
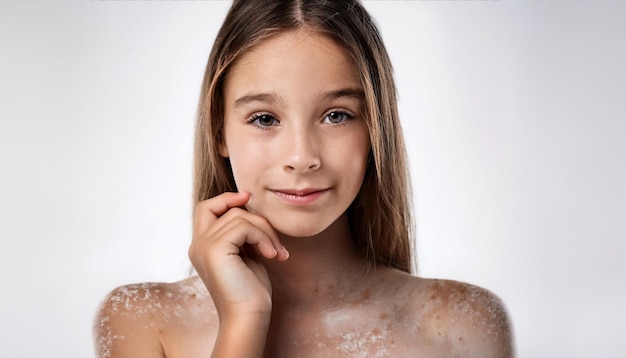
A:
x: 227, y: 242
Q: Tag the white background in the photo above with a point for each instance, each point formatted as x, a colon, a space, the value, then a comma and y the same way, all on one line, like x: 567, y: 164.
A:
x: 514, y: 114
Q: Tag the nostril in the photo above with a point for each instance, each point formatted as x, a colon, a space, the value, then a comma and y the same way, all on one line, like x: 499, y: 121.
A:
x: 303, y: 167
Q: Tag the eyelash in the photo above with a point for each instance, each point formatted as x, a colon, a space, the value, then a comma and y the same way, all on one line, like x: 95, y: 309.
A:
x: 347, y: 116
x: 255, y: 118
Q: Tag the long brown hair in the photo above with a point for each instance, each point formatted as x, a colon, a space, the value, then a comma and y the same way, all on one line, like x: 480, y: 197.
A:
x: 380, y: 216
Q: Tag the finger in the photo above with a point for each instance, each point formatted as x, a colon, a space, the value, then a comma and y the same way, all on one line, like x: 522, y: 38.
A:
x: 263, y: 224
x: 235, y: 233
x: 258, y: 269
x: 207, y: 211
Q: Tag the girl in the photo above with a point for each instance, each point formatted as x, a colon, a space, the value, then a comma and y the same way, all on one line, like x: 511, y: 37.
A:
x: 301, y: 222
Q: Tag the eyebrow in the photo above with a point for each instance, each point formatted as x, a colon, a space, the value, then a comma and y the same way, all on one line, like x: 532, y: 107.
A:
x: 273, y: 98
x: 269, y: 98
x: 356, y: 93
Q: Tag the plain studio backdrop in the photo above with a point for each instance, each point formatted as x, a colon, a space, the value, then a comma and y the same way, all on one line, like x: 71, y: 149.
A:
x: 514, y: 114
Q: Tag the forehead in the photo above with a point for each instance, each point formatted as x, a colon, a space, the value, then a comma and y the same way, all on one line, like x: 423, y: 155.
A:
x: 293, y: 60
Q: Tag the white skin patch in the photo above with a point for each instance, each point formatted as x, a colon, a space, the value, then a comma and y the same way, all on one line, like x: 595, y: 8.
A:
x: 104, y: 343
x: 133, y: 301
x: 137, y: 299
x: 150, y: 305
x: 362, y: 345
x: 360, y: 341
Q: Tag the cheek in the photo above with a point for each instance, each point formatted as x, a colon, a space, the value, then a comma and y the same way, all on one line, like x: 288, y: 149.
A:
x: 350, y: 157
x: 360, y: 149
x: 247, y: 162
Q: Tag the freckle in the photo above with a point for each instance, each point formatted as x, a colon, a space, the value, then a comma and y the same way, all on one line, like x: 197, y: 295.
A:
x: 438, y: 317
x: 366, y: 294
x: 376, y: 331
x: 460, y: 338
x: 440, y: 333
x: 383, y: 315
x: 432, y: 297
x: 393, y: 341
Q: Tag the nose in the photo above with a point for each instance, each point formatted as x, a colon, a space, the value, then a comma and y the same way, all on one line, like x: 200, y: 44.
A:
x: 301, y: 149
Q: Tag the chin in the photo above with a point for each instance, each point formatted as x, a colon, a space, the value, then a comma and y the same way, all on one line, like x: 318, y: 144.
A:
x: 297, y: 229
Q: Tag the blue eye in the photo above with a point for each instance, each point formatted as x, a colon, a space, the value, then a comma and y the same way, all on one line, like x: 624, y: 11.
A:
x: 263, y: 120
x: 337, y: 117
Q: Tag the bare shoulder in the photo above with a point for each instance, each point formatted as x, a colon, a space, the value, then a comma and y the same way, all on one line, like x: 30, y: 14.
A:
x: 135, y: 320
x: 470, y: 320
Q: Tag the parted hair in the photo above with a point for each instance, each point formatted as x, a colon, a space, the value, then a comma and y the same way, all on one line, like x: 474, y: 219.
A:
x: 380, y: 216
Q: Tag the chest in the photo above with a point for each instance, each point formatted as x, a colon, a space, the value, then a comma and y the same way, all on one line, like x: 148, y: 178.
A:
x: 366, y: 333
x: 359, y: 344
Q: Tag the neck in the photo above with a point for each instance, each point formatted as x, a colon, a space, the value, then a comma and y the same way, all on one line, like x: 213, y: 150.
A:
x: 323, y: 271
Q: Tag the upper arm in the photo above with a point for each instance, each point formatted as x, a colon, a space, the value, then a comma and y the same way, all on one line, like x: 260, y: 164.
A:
x: 127, y: 324
x: 480, y: 325
x: 470, y: 321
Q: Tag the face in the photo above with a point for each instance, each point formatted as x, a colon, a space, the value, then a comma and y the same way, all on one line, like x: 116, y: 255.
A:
x: 294, y: 131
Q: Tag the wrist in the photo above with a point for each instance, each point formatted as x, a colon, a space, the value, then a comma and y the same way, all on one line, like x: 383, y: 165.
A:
x: 251, y: 320
x: 242, y: 335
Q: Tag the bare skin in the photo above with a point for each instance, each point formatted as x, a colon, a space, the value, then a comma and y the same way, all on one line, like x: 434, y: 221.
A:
x: 278, y: 273
x: 397, y: 316
x: 338, y: 308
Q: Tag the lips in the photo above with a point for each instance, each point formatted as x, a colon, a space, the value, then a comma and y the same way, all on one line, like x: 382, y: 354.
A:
x: 300, y: 196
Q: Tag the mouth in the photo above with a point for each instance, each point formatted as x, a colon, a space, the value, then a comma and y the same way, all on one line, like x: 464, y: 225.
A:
x: 300, y: 196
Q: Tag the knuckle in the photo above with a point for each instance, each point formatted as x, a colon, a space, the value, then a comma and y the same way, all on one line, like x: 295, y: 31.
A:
x: 237, y: 211
x: 204, y: 204
x: 240, y: 220
x: 265, y: 222
x: 233, y: 214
